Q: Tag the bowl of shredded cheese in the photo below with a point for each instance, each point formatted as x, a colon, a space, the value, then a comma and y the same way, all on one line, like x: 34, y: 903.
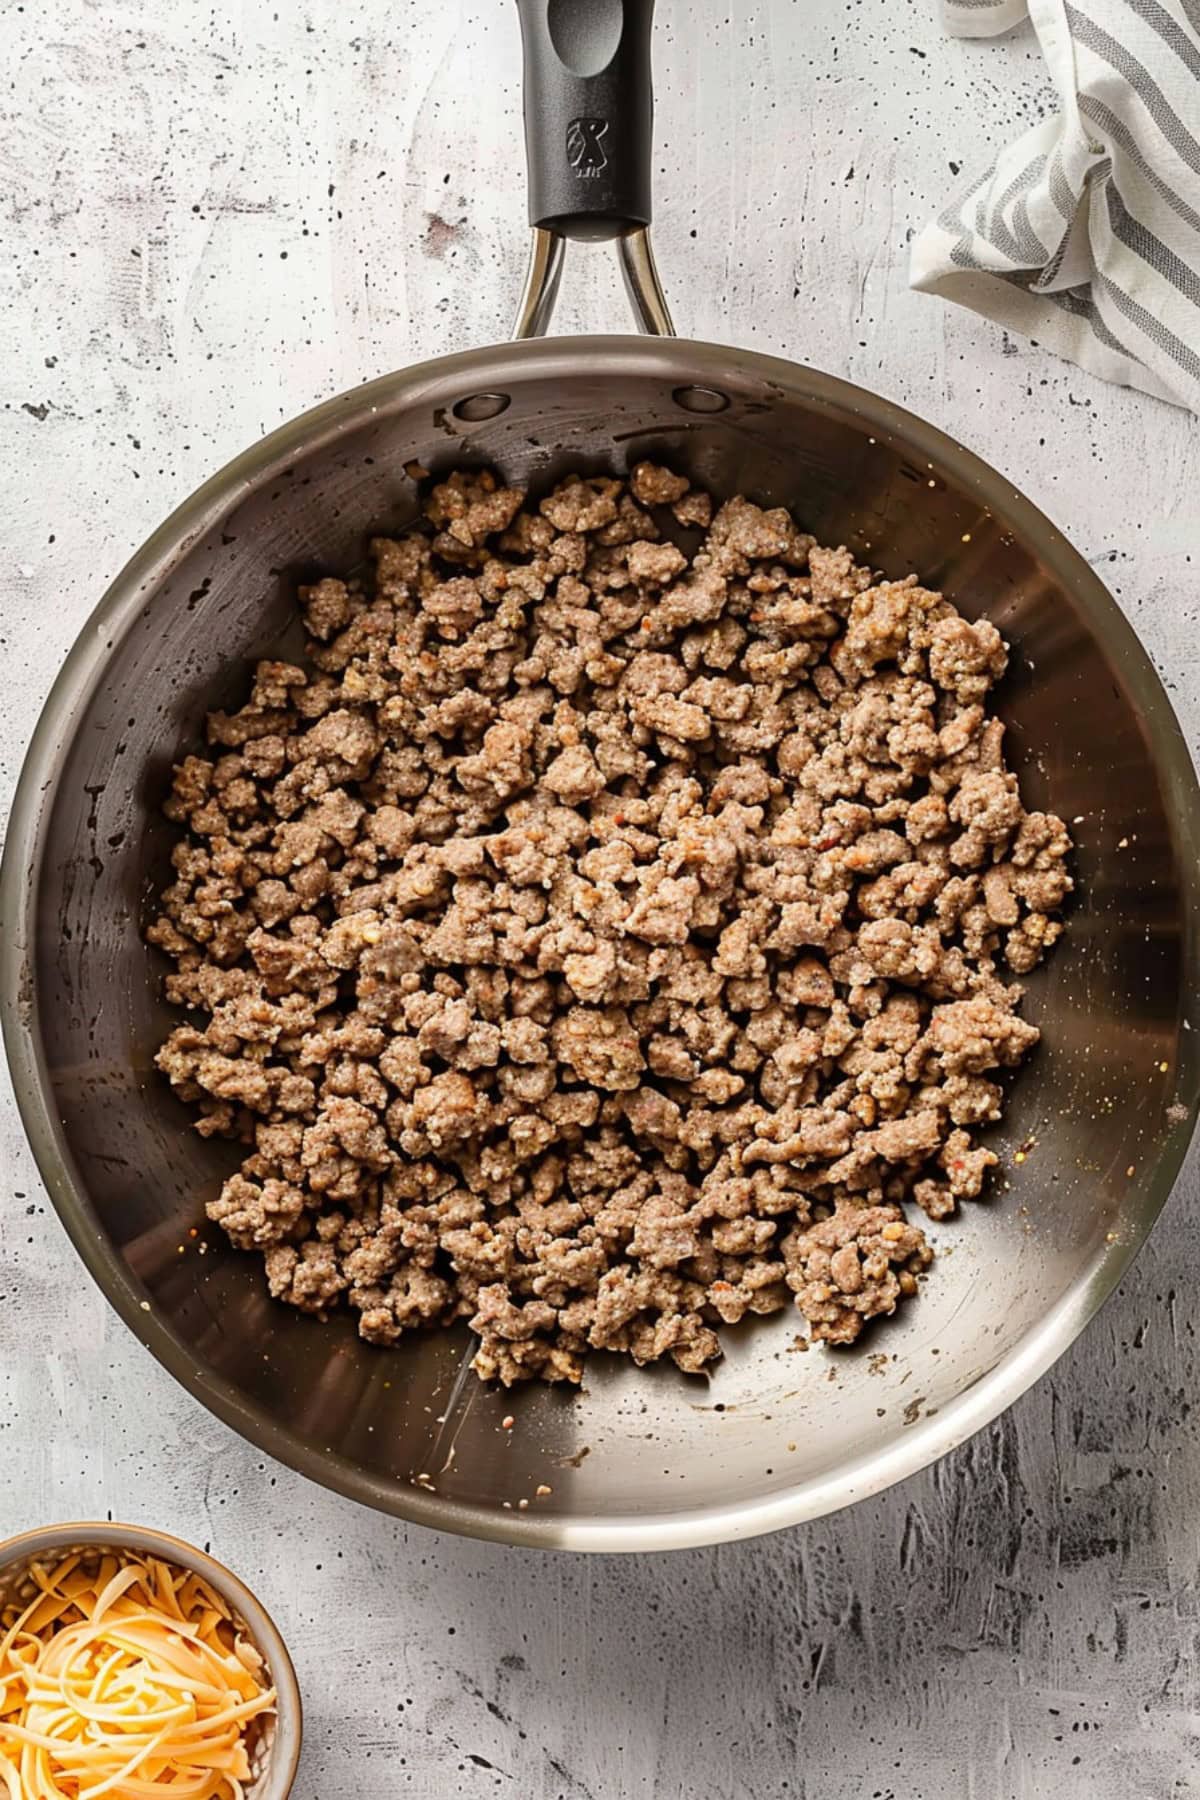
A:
x: 132, y: 1666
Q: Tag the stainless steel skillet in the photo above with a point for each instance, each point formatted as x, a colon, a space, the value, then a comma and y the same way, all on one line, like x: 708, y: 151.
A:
x: 649, y: 1459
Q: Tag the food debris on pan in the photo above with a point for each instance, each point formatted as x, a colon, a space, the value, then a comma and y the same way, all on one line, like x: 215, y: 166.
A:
x: 599, y: 940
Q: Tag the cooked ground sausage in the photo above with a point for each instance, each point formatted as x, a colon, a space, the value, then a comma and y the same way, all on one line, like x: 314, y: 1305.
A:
x: 597, y: 941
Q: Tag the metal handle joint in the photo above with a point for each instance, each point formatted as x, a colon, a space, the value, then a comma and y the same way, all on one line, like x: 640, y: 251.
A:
x: 546, y: 257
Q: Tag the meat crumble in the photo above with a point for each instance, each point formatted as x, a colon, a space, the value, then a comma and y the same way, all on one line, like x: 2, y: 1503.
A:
x: 609, y: 931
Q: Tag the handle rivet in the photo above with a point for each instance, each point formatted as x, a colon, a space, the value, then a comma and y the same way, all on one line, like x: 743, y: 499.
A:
x: 477, y: 407
x: 700, y: 399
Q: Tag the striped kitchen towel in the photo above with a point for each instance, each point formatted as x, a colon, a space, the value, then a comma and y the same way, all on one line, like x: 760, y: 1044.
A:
x: 1085, y: 233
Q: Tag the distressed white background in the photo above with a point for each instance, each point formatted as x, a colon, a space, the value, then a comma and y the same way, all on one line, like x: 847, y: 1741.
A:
x: 214, y: 216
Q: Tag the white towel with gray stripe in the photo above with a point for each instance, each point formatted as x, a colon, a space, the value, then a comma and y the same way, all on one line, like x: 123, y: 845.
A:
x: 1085, y: 233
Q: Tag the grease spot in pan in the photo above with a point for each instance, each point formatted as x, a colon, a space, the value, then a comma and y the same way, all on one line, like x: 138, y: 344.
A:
x: 623, y: 437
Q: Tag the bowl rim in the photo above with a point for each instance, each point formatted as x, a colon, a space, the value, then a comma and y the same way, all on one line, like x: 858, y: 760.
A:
x: 280, y: 1774
x: 435, y: 382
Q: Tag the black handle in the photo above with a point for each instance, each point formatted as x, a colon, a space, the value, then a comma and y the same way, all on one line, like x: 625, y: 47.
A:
x: 589, y: 109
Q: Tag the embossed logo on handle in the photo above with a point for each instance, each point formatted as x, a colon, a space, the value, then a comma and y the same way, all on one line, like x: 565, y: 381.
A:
x: 585, y: 147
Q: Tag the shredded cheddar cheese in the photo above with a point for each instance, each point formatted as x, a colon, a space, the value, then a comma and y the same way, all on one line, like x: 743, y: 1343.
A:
x: 126, y: 1678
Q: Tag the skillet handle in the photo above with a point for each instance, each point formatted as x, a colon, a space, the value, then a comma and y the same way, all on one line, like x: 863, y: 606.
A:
x: 589, y: 110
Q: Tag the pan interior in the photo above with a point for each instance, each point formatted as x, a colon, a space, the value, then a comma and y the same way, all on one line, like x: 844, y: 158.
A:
x: 1102, y: 1107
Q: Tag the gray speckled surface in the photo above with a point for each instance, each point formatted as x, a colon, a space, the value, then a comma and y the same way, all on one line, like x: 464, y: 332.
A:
x: 212, y: 219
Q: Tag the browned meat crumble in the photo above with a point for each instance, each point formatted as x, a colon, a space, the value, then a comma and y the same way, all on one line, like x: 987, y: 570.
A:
x: 599, y: 940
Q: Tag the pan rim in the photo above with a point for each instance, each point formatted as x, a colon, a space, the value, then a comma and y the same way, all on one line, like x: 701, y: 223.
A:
x: 973, y: 1408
